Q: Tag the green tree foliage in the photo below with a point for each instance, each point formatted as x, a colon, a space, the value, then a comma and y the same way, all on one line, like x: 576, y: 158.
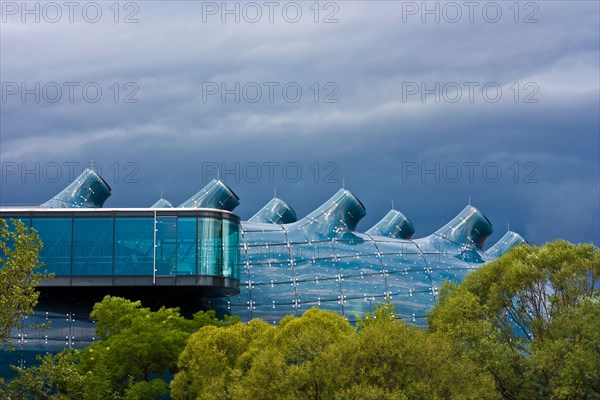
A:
x: 19, y: 260
x: 209, y: 365
x: 294, y: 357
x: 259, y: 361
x: 531, y: 319
x: 320, y: 356
x: 390, y: 359
x: 526, y: 326
x: 138, y: 349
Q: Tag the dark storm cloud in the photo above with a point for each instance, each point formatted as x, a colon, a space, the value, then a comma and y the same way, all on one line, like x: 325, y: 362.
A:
x: 384, y: 143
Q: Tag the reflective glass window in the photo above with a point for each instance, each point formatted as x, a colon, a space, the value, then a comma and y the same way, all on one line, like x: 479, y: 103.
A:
x: 210, y: 257
x: 134, y: 246
x: 231, y: 249
x: 92, y: 246
x: 55, y: 234
x: 186, y: 246
x: 166, y: 247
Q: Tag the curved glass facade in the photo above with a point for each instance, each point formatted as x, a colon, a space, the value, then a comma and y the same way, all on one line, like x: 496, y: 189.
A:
x: 321, y: 261
x: 200, y: 255
x: 507, y: 241
x: 395, y: 225
x: 162, y: 203
x: 214, y: 195
x: 88, y: 190
x: 276, y: 211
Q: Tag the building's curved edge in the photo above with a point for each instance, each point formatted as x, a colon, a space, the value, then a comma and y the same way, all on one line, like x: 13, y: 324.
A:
x: 276, y: 211
x: 502, y: 246
x: 395, y: 225
x: 470, y: 228
x: 216, y: 194
x: 341, y: 213
x: 88, y: 190
x: 162, y: 203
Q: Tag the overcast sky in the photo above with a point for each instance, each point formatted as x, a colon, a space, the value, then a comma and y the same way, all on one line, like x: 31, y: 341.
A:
x: 422, y: 104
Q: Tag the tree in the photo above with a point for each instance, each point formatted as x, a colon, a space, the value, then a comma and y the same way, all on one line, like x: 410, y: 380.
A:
x: 19, y: 275
x: 320, y: 356
x: 214, y: 358
x: 389, y: 359
x: 55, y: 376
x: 260, y: 361
x: 531, y: 319
x: 291, y: 365
x: 138, y: 350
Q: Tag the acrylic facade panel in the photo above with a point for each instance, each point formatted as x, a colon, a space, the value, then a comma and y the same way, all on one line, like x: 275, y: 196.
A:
x: 68, y: 330
x: 337, y: 269
x: 362, y: 277
x: 88, y: 190
x: 318, y: 280
x: 281, y: 266
x: 268, y: 253
x: 214, y: 195
x: 276, y: 211
x: 394, y: 225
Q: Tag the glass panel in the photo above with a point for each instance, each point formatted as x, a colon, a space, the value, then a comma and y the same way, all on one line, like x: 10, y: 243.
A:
x: 55, y: 234
x: 166, y: 247
x: 134, y: 246
x: 324, y: 250
x: 231, y: 249
x: 92, y: 246
x: 268, y: 254
x: 240, y: 304
x: 186, y: 246
x: 265, y: 237
x: 318, y: 280
x: 355, y: 308
x: 210, y: 257
x: 260, y: 227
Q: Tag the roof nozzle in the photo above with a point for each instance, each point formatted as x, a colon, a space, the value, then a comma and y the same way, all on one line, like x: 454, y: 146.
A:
x: 275, y: 211
x: 214, y: 195
x: 394, y: 225
x: 470, y: 227
x: 88, y: 190
x: 503, y: 245
x: 162, y: 203
x: 341, y: 213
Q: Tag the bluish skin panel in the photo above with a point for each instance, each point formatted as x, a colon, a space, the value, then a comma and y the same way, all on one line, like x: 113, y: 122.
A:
x: 276, y: 211
x: 283, y: 268
x: 337, y: 269
x: 88, y: 190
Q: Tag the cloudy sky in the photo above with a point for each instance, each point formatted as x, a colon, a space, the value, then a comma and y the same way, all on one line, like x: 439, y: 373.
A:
x: 423, y: 104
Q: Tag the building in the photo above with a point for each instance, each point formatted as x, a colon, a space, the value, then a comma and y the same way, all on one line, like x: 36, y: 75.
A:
x: 200, y: 255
